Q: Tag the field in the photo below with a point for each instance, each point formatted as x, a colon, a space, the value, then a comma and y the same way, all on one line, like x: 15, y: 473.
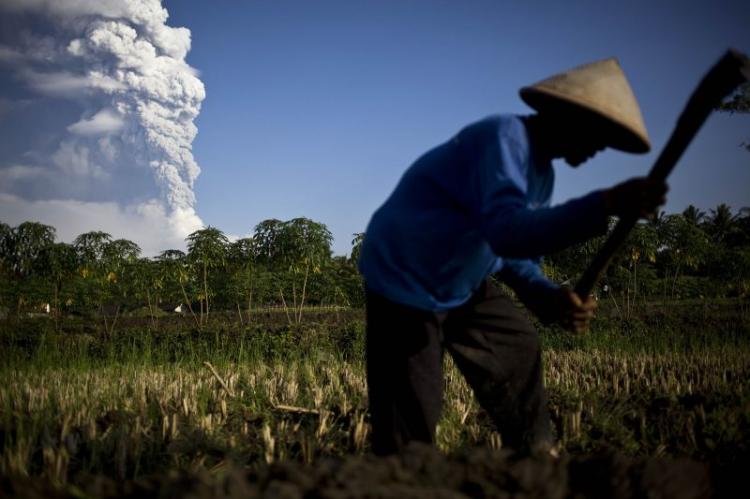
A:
x: 658, y: 404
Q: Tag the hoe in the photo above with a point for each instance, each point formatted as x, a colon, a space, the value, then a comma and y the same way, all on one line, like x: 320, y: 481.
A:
x: 732, y: 70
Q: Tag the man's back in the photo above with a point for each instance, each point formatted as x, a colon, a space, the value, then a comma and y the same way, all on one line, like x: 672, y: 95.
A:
x: 427, y: 245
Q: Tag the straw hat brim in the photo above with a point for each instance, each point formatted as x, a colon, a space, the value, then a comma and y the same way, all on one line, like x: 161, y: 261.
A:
x: 620, y: 135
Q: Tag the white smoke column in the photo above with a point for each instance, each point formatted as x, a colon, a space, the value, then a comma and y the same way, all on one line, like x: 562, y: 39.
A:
x: 159, y: 95
x: 139, y: 94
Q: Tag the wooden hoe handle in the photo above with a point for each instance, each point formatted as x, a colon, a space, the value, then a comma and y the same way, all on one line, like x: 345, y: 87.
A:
x: 732, y: 70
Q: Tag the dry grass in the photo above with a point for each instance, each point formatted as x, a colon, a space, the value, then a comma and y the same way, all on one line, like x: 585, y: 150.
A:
x: 125, y: 420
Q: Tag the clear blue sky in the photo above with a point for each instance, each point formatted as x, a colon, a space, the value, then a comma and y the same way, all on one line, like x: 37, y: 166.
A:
x: 316, y: 108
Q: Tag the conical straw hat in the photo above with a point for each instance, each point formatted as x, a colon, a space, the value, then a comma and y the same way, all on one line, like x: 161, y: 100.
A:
x: 599, y: 87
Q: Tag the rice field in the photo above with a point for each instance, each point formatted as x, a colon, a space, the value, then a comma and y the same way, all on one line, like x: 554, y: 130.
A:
x: 231, y: 403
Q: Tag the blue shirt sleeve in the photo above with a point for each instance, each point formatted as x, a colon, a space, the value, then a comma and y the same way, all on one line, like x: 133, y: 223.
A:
x: 526, y: 278
x: 514, y: 230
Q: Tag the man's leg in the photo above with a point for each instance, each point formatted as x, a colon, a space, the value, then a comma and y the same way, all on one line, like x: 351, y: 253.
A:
x: 498, y: 351
x: 404, y: 374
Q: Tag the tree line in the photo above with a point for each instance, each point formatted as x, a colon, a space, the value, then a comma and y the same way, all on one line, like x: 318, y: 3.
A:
x: 688, y: 255
x: 290, y: 265
x: 285, y: 263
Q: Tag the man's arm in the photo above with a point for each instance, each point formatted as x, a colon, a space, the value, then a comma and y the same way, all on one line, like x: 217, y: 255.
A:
x: 513, y: 230
x: 545, y: 299
x: 533, y: 288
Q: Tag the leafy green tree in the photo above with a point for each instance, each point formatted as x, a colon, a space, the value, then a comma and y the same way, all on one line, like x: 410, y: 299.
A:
x: 242, y: 268
x: 730, y: 236
x: 357, y: 241
x: 60, y: 262
x: 685, y: 247
x: 293, y: 250
x: 174, y: 272
x: 207, y: 250
x: 92, y: 287
x: 306, y: 247
x: 741, y: 234
x: 29, y: 241
x: 721, y: 223
x: 340, y: 284
x: 105, y: 266
x: 6, y: 266
x: 119, y: 264
x: 22, y: 249
x: 266, y: 239
x: 641, y: 248
x: 731, y: 269
x: 90, y: 247
x: 148, y: 283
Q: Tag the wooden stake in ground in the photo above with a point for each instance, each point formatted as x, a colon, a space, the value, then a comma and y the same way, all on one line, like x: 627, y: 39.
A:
x: 280, y: 407
x: 219, y: 379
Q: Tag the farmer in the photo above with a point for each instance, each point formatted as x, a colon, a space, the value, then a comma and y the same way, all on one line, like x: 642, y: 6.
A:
x: 476, y: 206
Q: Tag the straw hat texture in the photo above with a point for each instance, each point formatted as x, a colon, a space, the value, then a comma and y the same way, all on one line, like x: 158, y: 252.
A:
x: 601, y: 88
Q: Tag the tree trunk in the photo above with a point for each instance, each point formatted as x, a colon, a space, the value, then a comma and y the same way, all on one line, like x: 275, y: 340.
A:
x: 674, y: 281
x: 114, y: 322
x: 201, y: 311
x: 294, y: 297
x: 151, y: 309
x: 56, y: 312
x: 286, y: 308
x: 626, y: 296
x: 614, y: 300
x: 205, y: 287
x: 187, y: 302
x: 249, y: 305
x: 104, y: 318
x: 304, y: 287
x: 635, y: 284
x: 239, y: 313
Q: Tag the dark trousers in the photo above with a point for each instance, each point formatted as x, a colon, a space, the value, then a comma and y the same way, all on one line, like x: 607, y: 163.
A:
x: 491, y: 342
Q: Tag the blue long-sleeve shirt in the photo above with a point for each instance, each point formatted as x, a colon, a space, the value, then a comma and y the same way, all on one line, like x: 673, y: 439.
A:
x: 475, y: 205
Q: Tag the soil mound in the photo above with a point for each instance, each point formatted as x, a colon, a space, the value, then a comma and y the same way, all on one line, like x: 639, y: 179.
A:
x: 419, y: 472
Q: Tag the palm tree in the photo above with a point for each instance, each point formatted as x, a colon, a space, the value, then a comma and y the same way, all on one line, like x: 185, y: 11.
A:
x: 721, y: 222
x: 693, y: 215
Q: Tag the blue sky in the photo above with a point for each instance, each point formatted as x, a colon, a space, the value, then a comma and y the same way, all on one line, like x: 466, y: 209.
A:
x: 315, y: 109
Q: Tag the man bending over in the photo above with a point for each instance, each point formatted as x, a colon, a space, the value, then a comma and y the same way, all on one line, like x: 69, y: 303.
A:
x: 479, y: 205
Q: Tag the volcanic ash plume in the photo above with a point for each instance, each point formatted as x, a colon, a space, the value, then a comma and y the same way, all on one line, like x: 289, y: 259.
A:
x: 126, y: 68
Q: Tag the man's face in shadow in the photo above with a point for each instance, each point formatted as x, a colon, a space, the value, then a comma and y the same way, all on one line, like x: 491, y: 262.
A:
x: 581, y: 138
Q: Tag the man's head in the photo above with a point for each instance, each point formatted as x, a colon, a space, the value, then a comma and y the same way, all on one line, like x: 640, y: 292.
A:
x: 585, y: 109
x: 573, y: 136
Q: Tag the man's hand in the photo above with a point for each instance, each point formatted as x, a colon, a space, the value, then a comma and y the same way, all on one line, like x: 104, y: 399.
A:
x: 573, y: 313
x: 640, y: 197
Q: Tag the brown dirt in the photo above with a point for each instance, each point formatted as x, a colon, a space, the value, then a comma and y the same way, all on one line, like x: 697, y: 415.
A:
x: 419, y: 472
